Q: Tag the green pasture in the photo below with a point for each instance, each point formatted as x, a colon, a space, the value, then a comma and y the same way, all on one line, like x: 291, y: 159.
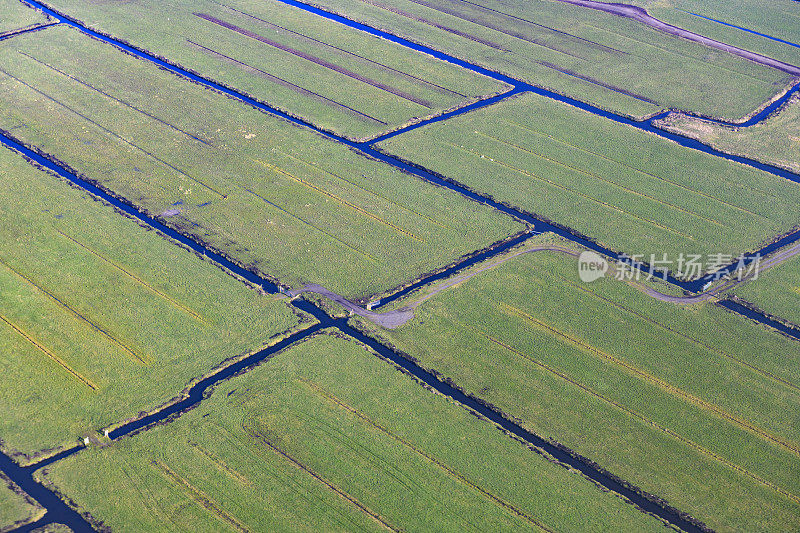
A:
x: 327, y: 437
x: 776, y: 291
x: 338, y: 78
x: 629, y: 190
x: 775, y: 141
x: 15, y: 507
x: 778, y: 18
x: 100, y: 318
x: 17, y: 15
x: 693, y: 404
x: 53, y: 528
x: 275, y: 197
x: 596, y: 57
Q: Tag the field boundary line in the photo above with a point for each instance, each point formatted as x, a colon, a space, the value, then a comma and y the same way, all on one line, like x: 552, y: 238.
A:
x: 148, y: 499
x: 326, y: 233
x: 626, y: 165
x: 123, y: 102
x: 284, y: 83
x: 373, y: 193
x: 117, y: 136
x: 402, y: 73
x: 679, y: 54
x: 75, y: 313
x: 51, y: 355
x: 456, y: 475
x: 660, y: 383
x: 238, y: 476
x: 316, y: 60
x: 253, y: 433
x: 199, y: 496
x: 565, y: 188
x: 610, y: 182
x: 340, y: 200
x: 436, y: 25
x: 177, y: 304
x: 293, y: 485
x: 640, y: 417
x: 604, y: 47
x: 494, y: 28
x: 697, y: 342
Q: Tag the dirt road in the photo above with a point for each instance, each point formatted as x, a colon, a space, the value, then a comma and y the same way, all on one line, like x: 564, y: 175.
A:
x: 395, y: 319
x: 640, y: 15
x: 776, y: 259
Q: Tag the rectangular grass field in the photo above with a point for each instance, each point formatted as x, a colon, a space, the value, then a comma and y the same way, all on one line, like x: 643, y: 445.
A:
x: 17, y: 15
x: 327, y: 437
x: 101, y: 318
x: 616, y: 63
x: 696, y: 405
x: 338, y: 78
x: 627, y: 189
x: 278, y: 198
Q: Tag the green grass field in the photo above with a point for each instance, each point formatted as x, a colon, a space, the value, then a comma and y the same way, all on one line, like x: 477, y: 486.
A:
x: 779, y: 19
x: 53, y: 528
x: 776, y: 291
x: 328, y: 437
x: 276, y: 197
x: 775, y: 141
x: 340, y: 79
x: 15, y: 508
x: 688, y: 403
x: 613, y: 62
x: 101, y: 319
x: 627, y: 189
x: 17, y: 15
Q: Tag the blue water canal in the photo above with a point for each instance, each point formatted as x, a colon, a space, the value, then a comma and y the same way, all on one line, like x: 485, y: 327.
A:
x: 517, y: 88
x: 58, y: 511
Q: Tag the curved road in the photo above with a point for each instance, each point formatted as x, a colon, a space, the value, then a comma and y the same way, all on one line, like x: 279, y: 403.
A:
x: 640, y: 15
x: 776, y: 259
x: 396, y: 318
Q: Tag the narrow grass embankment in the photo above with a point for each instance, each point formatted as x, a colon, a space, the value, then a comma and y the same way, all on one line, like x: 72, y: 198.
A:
x: 692, y: 404
x: 18, y: 15
x: 16, y: 508
x: 775, y: 141
x: 102, y: 319
x: 778, y: 22
x: 326, y: 436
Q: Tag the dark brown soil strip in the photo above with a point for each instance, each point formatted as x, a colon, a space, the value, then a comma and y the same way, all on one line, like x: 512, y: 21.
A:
x: 323, y: 43
x: 284, y: 83
x: 640, y: 15
x: 593, y: 44
x: 436, y: 25
x: 516, y: 35
x: 308, y: 57
x: 126, y: 104
x: 256, y: 435
x: 597, y: 82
